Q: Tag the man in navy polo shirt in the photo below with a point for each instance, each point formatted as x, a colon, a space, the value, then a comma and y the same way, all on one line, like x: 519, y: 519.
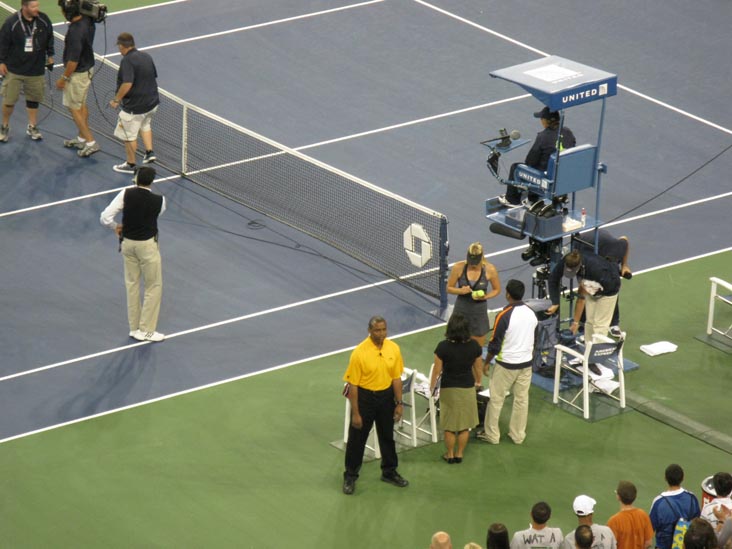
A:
x: 137, y: 94
x: 26, y: 48
x: 77, y: 76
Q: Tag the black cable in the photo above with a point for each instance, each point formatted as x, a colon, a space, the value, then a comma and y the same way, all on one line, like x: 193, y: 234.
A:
x: 679, y: 182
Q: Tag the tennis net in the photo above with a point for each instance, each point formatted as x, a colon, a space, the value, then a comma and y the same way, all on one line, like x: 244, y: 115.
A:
x: 396, y: 236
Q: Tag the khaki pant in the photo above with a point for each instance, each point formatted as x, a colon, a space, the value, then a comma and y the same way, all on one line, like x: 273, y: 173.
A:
x: 519, y: 383
x: 598, y: 314
x: 76, y: 90
x: 142, y: 261
x: 32, y: 87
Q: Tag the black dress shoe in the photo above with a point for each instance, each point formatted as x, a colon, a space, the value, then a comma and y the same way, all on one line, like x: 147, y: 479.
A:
x: 349, y: 486
x: 395, y: 479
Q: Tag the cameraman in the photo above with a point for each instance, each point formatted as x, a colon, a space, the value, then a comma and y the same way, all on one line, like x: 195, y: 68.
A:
x: 26, y: 47
x: 77, y: 76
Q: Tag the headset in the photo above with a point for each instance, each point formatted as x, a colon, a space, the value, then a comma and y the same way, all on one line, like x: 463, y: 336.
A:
x: 90, y: 8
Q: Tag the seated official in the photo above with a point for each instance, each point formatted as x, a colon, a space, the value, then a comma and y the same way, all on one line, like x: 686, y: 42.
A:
x: 547, y: 142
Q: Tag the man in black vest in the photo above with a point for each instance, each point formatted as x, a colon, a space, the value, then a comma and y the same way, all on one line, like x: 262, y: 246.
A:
x: 138, y: 235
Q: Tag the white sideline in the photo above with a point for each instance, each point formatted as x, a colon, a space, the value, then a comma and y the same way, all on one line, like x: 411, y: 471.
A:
x: 544, y: 54
x: 250, y: 27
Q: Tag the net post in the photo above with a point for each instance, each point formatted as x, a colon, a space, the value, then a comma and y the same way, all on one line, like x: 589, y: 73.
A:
x: 184, y: 142
x: 442, y: 278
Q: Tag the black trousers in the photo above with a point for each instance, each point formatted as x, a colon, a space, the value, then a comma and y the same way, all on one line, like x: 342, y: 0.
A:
x: 375, y: 407
x: 513, y: 194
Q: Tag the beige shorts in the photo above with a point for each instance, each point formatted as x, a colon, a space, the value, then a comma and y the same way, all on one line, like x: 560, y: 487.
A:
x: 76, y: 90
x: 32, y: 87
x: 130, y: 125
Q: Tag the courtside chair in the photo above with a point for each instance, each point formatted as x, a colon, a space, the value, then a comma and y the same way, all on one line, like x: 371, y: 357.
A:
x: 599, y: 351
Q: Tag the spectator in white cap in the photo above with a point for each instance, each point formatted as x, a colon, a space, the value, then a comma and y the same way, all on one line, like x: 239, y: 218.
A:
x: 603, y: 537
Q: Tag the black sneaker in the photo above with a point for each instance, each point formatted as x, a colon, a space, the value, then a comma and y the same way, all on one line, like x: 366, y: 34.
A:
x: 349, y: 486
x: 4, y: 134
x: 149, y: 157
x: 396, y: 479
x: 125, y: 167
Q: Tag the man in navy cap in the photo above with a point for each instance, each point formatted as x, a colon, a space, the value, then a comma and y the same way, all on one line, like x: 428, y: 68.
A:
x: 599, y: 284
x: 547, y: 141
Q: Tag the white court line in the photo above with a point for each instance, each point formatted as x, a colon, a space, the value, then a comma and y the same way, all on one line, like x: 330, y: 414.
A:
x: 544, y: 54
x: 141, y: 8
x: 413, y: 122
x: 275, y: 368
x: 78, y: 198
x: 202, y: 387
x: 250, y: 27
x: 198, y: 329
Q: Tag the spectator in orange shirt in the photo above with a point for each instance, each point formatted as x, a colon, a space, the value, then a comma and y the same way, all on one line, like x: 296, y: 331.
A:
x: 631, y: 526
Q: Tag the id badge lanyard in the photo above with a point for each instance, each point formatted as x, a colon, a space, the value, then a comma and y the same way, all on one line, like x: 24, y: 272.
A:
x: 29, y: 34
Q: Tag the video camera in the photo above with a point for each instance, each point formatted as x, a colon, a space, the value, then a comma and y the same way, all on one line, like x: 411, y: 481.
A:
x: 89, y: 8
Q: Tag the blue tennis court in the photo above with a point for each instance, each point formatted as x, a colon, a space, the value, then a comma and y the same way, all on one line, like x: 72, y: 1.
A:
x: 395, y: 93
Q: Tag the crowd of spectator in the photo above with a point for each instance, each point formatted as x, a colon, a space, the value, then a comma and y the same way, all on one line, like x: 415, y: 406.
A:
x: 675, y: 520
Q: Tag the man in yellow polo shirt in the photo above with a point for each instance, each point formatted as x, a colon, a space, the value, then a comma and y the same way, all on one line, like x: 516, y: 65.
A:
x: 374, y: 375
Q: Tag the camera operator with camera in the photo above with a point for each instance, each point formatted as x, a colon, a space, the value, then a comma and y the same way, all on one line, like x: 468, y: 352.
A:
x: 26, y: 50
x: 78, y: 70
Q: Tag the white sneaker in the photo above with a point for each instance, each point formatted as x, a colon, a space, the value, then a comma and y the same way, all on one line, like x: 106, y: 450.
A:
x: 88, y: 150
x: 34, y: 133
x: 133, y: 332
x: 74, y: 143
x: 149, y: 336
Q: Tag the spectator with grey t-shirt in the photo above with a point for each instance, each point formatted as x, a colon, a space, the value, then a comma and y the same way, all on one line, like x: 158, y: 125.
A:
x: 538, y: 535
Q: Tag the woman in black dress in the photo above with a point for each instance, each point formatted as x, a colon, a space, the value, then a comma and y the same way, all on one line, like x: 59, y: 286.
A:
x: 458, y: 358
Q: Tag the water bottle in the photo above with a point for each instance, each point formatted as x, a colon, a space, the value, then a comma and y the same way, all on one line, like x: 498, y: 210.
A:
x: 583, y: 217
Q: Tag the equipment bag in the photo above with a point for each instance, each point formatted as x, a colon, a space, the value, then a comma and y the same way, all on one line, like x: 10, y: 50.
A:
x: 546, y: 337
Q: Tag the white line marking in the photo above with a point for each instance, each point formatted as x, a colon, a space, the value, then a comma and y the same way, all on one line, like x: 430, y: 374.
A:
x: 251, y: 27
x: 677, y: 110
x: 274, y: 368
x: 413, y: 122
x: 141, y: 8
x: 197, y: 329
x: 680, y: 261
x: 482, y: 28
x: 544, y: 54
x: 77, y: 198
x: 202, y: 387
